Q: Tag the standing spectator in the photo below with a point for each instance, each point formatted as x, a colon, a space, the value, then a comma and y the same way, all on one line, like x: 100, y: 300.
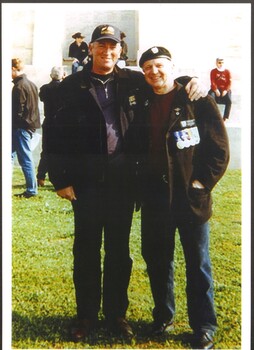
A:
x: 188, y: 154
x: 49, y: 96
x: 124, y: 46
x: 93, y: 154
x: 221, y: 86
x: 25, y: 120
x: 78, y: 50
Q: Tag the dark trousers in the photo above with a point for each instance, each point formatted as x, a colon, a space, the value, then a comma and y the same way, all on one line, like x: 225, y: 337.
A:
x: 42, y: 169
x: 158, y: 244
x: 42, y: 166
x: 103, y: 207
x: 225, y: 100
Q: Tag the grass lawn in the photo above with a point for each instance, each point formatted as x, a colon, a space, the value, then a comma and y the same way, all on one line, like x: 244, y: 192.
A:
x: 43, y: 300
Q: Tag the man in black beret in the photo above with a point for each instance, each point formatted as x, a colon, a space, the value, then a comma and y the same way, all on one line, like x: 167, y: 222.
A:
x: 78, y: 50
x: 188, y: 153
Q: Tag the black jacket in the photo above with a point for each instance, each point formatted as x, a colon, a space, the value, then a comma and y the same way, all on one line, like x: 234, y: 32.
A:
x: 50, y: 97
x: 79, y: 52
x: 77, y: 145
x: 25, y: 104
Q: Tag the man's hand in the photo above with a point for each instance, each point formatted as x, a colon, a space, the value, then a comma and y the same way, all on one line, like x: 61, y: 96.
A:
x: 67, y: 193
x: 85, y: 60
x: 195, y: 89
x: 197, y: 184
x: 217, y: 92
x: 224, y: 93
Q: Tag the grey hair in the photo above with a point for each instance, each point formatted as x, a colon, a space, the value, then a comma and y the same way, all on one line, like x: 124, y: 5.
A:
x: 57, y: 73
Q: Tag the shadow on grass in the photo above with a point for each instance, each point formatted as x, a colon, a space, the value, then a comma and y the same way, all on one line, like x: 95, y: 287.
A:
x: 18, y: 186
x: 57, y: 329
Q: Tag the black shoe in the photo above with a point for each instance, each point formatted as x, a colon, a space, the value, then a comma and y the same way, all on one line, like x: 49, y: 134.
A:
x: 121, y: 327
x: 160, y: 328
x: 203, y: 340
x: 25, y: 195
x: 81, y: 329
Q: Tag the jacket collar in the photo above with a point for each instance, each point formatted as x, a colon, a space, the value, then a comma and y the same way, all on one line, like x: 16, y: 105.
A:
x: 19, y: 77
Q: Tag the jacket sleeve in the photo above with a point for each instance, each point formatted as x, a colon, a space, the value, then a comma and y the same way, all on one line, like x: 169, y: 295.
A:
x: 229, y: 80
x: 213, y: 151
x: 20, y: 96
x: 57, y: 145
x: 213, y: 81
x: 42, y: 93
x: 71, y: 51
x: 183, y: 80
x: 58, y: 171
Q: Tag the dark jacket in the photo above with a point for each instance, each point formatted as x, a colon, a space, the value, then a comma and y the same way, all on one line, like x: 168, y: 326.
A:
x: 202, y: 155
x: 49, y: 96
x: 25, y: 104
x: 79, y: 52
x: 77, y: 145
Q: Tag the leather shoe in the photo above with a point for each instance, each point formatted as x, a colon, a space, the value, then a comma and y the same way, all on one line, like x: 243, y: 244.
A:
x: 121, y: 327
x: 160, y: 328
x: 203, y: 340
x: 81, y: 329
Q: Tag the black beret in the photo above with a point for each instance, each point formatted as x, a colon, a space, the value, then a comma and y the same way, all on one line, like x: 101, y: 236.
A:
x: 154, y: 52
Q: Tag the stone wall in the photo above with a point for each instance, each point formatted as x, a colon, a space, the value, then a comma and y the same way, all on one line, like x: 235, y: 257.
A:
x: 85, y: 21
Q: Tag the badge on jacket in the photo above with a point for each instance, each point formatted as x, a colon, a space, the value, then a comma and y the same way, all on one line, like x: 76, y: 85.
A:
x: 187, y: 137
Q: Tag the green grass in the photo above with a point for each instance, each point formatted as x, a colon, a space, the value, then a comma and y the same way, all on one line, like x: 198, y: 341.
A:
x: 42, y: 289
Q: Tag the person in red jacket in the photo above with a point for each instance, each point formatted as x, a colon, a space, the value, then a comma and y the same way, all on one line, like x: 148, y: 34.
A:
x: 221, y: 86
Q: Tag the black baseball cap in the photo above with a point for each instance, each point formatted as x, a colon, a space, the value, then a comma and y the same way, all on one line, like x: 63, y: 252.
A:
x: 106, y: 31
x: 154, y: 52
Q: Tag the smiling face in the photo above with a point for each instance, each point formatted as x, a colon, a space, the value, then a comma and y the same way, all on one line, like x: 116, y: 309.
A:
x: 159, y: 74
x: 105, y: 55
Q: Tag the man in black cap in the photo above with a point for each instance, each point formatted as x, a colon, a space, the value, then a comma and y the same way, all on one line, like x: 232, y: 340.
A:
x: 78, y: 50
x: 93, y: 154
x: 188, y: 154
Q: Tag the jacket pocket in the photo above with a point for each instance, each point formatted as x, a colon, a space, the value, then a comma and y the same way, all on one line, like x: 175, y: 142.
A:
x: 200, y: 201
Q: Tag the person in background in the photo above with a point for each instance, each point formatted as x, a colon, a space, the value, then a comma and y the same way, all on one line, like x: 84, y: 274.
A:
x: 124, y: 46
x: 25, y: 121
x: 221, y: 86
x: 188, y: 153
x: 93, y: 151
x: 49, y: 96
x: 78, y: 50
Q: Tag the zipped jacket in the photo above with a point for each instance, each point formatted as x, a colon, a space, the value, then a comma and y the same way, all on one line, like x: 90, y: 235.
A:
x: 77, y: 143
x: 25, y: 104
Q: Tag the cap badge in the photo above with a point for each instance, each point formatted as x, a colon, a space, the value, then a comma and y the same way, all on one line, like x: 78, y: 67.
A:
x: 107, y: 31
x: 154, y: 50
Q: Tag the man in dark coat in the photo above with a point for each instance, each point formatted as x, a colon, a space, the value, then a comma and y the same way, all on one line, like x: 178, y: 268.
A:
x: 188, y: 154
x: 49, y: 96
